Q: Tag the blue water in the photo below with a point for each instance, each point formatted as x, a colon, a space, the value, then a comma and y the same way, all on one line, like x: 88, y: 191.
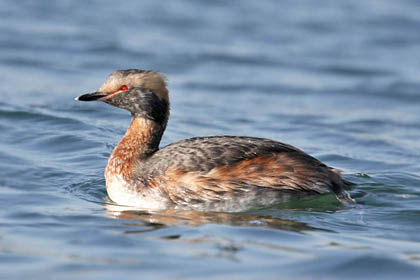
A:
x: 338, y: 79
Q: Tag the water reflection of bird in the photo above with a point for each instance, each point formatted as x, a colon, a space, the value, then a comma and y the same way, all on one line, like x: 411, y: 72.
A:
x: 157, y: 219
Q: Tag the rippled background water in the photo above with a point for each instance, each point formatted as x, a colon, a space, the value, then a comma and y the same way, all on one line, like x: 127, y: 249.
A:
x: 339, y: 79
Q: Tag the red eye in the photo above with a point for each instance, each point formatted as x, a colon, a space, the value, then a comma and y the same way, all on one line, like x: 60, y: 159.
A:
x: 124, y: 88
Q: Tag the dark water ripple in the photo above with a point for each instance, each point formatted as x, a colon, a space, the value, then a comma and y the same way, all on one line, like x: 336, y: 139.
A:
x: 340, y: 81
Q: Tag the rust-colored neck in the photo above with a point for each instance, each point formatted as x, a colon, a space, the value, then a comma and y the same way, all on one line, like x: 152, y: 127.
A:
x: 139, y: 142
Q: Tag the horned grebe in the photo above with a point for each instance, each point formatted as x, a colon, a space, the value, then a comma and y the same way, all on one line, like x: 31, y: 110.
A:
x: 217, y: 173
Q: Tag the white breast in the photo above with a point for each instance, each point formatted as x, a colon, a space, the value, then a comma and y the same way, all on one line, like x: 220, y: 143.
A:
x: 121, y: 192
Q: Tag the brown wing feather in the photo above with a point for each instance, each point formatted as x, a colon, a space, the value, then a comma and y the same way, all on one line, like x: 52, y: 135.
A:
x: 233, y: 170
x: 272, y: 176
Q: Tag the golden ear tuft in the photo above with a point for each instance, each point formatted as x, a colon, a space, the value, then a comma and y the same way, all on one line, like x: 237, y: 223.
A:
x: 156, y: 82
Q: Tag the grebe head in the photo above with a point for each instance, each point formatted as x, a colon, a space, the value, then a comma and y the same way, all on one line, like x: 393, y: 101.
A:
x: 141, y: 92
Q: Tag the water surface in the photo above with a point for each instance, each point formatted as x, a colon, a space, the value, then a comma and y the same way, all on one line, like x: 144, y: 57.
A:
x: 339, y: 80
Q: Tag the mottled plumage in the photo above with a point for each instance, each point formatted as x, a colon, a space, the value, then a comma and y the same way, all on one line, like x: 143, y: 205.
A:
x: 220, y: 173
